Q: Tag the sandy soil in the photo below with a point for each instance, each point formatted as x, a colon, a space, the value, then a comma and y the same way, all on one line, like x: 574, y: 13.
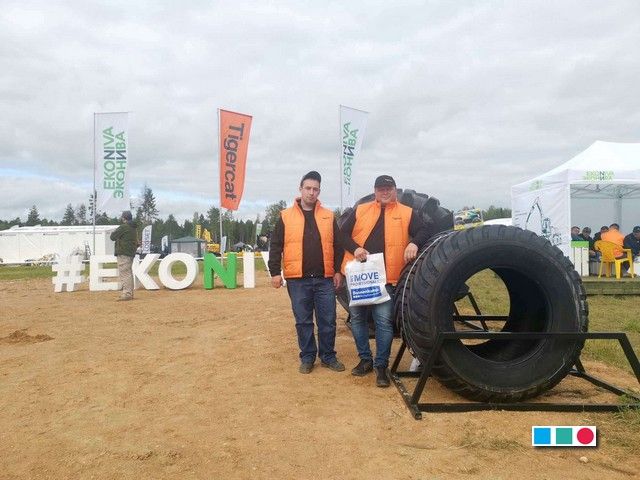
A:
x: 204, y: 384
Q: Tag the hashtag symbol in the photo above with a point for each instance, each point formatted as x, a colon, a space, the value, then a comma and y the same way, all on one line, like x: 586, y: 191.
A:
x: 68, y: 274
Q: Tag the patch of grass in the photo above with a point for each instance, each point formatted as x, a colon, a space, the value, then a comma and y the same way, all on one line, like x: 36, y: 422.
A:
x: 24, y: 272
x: 607, y: 313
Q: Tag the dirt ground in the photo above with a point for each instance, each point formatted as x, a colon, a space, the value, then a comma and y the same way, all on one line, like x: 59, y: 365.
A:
x: 205, y: 384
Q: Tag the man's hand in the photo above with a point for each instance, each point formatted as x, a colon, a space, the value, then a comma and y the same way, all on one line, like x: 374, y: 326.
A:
x: 337, y: 280
x: 360, y: 254
x: 411, y: 252
x: 276, y: 281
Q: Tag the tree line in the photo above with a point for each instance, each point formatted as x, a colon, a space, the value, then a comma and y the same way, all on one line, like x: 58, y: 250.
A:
x: 148, y: 214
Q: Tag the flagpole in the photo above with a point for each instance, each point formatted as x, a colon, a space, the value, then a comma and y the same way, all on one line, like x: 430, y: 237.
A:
x: 340, y: 157
x: 220, y: 185
x: 93, y: 154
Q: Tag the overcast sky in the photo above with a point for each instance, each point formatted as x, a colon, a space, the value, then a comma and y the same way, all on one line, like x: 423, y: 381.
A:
x: 466, y: 98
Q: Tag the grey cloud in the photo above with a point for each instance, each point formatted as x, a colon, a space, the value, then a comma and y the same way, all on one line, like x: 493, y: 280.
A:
x: 466, y: 98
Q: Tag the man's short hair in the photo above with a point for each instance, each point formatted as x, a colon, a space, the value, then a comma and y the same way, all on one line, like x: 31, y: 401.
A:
x: 587, y: 229
x: 615, y: 225
x: 127, y: 215
x: 312, y: 175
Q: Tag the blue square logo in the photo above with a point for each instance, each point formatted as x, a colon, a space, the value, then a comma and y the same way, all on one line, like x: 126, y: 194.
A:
x: 541, y: 436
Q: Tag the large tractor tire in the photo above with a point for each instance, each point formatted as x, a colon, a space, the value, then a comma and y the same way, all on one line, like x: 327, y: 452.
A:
x: 545, y: 295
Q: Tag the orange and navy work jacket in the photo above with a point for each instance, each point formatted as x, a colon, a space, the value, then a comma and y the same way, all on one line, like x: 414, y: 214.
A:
x: 397, y: 218
x: 293, y: 220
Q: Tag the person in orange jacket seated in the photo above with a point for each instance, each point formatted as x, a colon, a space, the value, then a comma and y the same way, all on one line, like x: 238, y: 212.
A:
x: 613, y: 235
x: 381, y: 226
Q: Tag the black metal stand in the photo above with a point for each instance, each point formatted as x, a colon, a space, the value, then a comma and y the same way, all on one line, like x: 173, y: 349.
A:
x: 412, y: 400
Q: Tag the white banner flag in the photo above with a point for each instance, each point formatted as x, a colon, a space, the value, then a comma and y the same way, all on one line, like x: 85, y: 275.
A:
x: 111, y: 161
x: 146, y: 239
x: 164, y: 244
x: 353, y: 124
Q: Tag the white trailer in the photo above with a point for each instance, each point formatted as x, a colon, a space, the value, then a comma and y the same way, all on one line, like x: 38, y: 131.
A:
x: 33, y: 244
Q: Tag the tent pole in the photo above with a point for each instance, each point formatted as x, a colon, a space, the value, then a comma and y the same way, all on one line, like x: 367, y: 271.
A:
x: 93, y: 154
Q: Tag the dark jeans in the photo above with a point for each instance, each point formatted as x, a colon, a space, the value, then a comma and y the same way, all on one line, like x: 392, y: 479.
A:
x: 383, y: 319
x: 307, y: 295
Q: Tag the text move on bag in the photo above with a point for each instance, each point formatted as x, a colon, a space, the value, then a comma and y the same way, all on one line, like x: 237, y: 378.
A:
x: 366, y: 281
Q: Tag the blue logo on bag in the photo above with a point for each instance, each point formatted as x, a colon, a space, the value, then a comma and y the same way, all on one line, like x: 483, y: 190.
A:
x: 365, y: 293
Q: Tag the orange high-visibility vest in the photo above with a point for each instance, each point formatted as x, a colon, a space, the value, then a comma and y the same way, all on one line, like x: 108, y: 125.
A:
x: 614, y: 236
x: 396, y: 234
x: 293, y: 220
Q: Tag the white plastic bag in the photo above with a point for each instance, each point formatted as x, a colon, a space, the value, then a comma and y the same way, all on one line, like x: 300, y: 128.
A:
x: 366, y: 281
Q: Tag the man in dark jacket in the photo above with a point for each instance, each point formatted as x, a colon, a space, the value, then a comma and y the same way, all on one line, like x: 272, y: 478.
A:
x: 383, y: 225
x: 632, y: 241
x: 306, y: 245
x: 126, y: 240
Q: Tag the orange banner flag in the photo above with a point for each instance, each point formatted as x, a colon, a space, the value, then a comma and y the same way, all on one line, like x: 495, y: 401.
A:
x: 234, y: 144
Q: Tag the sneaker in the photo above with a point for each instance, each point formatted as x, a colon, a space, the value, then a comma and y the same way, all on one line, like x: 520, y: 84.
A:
x: 364, y: 367
x: 382, y: 377
x: 124, y: 299
x: 305, y: 367
x: 335, y: 365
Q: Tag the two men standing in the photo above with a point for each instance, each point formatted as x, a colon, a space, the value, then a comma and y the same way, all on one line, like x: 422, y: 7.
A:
x: 308, y: 243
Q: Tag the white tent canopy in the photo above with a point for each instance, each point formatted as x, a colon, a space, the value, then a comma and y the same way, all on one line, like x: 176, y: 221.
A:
x: 603, y: 179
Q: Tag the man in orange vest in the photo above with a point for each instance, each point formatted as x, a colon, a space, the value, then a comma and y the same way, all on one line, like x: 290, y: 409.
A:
x: 306, y: 244
x: 389, y: 227
x: 613, y: 235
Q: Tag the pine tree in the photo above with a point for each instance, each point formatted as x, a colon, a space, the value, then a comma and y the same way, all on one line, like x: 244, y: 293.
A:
x: 81, y: 214
x: 34, y: 217
x: 69, y: 216
x: 271, y: 216
x: 148, y: 210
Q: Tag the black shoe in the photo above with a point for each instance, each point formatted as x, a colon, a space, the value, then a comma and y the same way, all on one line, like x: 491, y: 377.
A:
x: 382, y: 377
x: 305, y: 367
x: 364, y: 367
x: 335, y: 365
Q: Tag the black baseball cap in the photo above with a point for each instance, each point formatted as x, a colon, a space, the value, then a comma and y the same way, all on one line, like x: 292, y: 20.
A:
x: 636, y: 229
x: 384, y: 181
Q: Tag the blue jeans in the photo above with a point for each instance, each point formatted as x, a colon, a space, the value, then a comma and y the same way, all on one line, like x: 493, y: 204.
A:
x: 307, y: 295
x: 383, y: 319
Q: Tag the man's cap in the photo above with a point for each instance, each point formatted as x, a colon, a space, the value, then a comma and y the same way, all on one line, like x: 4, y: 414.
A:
x: 127, y: 215
x: 312, y: 175
x: 636, y: 229
x: 384, y: 181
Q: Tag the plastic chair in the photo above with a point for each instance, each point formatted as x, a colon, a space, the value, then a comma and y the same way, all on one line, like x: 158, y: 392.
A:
x: 609, y: 259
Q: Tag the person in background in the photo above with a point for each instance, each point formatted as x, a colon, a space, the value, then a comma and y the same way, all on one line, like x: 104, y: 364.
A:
x: 613, y: 235
x: 306, y: 240
x: 632, y: 241
x: 575, y: 234
x: 381, y: 226
x: 598, y: 235
x: 126, y: 239
x: 586, y: 236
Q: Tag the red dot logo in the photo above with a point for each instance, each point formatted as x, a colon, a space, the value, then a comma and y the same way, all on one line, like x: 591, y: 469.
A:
x: 585, y: 436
